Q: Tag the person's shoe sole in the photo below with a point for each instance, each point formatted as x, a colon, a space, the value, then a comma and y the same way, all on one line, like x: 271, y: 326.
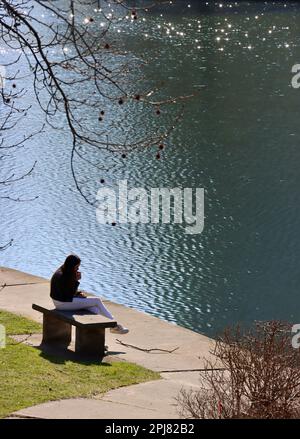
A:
x: 119, y: 331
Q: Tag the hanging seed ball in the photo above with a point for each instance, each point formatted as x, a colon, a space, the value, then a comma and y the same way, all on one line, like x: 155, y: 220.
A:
x: 133, y: 12
x: 158, y: 112
x: 107, y: 46
x: 121, y: 101
x: 102, y: 113
x: 137, y: 97
x: 161, y: 146
x: 113, y: 223
x: 158, y: 156
x: 102, y: 180
x: 135, y: 17
x: 14, y: 86
x: 124, y: 156
x: 7, y: 100
x: 100, y: 119
x: 91, y: 19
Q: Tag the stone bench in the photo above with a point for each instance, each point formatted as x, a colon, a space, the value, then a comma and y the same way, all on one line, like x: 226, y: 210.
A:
x: 90, y: 330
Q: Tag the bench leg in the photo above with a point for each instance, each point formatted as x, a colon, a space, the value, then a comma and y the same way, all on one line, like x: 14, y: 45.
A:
x: 90, y: 342
x: 55, y: 331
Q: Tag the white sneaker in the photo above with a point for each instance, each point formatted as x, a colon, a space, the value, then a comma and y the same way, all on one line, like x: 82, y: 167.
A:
x: 119, y: 329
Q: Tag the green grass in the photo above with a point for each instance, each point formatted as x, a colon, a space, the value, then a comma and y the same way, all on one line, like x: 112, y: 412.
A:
x: 29, y: 377
x: 15, y: 324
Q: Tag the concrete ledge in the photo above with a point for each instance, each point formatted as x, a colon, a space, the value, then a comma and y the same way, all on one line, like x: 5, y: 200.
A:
x: 10, y: 276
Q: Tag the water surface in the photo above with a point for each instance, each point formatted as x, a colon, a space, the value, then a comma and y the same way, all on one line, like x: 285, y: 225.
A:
x: 239, y: 140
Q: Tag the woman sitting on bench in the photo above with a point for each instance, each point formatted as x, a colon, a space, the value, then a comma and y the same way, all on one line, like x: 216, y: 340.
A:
x: 66, y: 297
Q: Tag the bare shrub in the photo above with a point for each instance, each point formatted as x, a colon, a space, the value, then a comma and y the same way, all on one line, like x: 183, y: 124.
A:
x: 255, y: 374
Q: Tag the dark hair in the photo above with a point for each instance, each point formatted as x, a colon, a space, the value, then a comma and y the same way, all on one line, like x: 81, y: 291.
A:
x: 68, y: 271
x: 69, y: 264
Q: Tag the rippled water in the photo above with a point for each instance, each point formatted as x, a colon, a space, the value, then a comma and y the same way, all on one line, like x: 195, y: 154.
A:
x: 239, y: 140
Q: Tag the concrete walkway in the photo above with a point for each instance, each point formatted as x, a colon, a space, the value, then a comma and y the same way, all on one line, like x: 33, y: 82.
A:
x: 154, y: 399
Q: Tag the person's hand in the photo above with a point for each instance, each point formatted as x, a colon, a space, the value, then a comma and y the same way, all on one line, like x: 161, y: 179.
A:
x: 78, y: 275
x: 81, y: 294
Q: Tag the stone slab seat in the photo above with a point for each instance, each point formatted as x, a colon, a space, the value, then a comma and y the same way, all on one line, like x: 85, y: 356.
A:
x: 90, y: 329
